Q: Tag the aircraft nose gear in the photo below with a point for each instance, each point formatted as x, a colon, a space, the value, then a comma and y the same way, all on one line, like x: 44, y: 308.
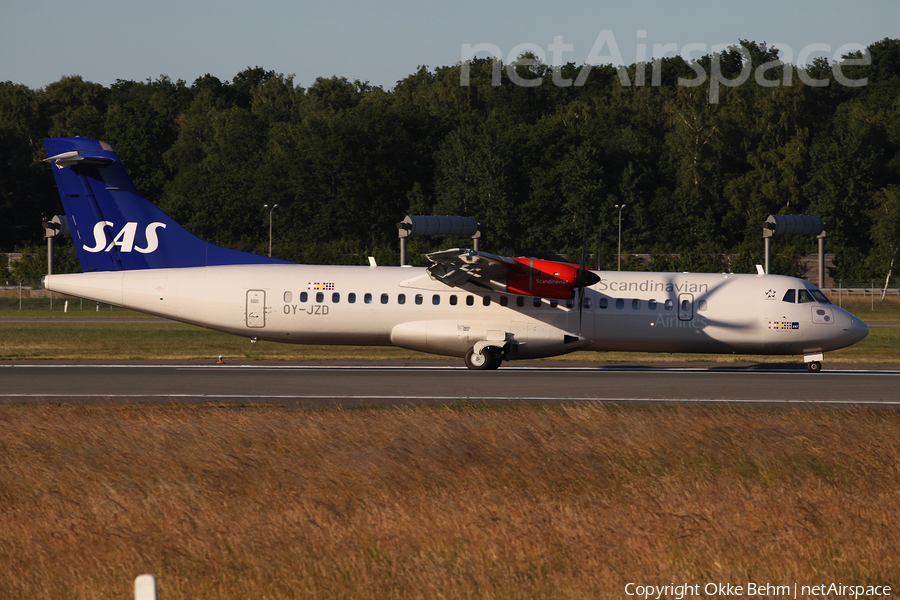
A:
x: 813, y: 361
x: 487, y: 359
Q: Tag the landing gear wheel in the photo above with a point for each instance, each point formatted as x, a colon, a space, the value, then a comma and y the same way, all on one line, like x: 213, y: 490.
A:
x: 496, y: 358
x: 814, y: 366
x: 486, y: 360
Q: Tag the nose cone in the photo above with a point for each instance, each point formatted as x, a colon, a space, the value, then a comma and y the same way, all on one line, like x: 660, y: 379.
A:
x: 857, y: 330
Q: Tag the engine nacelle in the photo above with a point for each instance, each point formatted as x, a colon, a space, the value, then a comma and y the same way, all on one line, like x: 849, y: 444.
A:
x: 543, y: 279
x: 522, y: 339
x: 448, y: 338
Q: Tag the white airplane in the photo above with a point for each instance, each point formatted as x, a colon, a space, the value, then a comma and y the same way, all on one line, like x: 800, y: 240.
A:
x: 470, y: 304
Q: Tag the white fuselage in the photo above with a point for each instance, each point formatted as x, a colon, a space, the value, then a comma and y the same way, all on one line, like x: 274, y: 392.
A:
x: 404, y: 306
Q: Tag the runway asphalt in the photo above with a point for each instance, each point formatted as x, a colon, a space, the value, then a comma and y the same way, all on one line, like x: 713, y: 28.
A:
x: 358, y: 384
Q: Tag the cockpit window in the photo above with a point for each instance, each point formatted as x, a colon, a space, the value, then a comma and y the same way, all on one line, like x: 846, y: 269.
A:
x: 789, y: 296
x: 820, y: 297
x: 803, y: 296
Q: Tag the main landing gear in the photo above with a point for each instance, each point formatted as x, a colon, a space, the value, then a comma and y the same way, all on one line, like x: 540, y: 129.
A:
x: 488, y: 359
x: 814, y: 366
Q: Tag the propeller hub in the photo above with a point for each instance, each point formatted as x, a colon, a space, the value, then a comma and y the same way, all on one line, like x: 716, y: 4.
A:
x: 586, y: 278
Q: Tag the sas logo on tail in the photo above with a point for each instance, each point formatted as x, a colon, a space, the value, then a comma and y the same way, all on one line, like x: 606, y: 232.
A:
x: 125, y: 238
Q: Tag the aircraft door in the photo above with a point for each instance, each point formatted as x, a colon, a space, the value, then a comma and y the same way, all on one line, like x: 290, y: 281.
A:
x: 255, y: 314
x: 685, y: 307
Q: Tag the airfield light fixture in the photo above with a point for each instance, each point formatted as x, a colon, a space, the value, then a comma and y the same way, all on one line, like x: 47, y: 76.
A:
x: 274, y: 206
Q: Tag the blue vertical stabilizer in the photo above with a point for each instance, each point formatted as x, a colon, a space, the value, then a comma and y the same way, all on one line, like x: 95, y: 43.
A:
x: 114, y: 227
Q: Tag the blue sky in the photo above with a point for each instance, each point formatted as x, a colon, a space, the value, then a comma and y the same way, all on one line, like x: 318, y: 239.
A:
x: 383, y: 41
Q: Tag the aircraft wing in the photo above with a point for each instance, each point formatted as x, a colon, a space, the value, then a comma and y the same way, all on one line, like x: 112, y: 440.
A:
x: 459, y: 266
x: 524, y: 276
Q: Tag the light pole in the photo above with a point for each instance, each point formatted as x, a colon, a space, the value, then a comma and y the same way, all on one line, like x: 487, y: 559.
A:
x: 621, y: 207
x: 274, y: 206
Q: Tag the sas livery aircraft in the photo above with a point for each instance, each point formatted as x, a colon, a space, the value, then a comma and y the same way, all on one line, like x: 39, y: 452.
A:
x: 470, y: 304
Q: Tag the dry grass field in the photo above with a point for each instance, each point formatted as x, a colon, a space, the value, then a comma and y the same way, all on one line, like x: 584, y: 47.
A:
x: 458, y: 502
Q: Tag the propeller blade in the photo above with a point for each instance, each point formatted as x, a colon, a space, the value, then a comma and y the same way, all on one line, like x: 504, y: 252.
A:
x: 583, y: 278
x: 580, y: 308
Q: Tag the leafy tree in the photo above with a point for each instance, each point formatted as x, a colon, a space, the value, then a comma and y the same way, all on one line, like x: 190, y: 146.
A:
x: 217, y: 197
x: 334, y: 94
x: 33, y: 265
x: 75, y: 107
x: 846, y: 162
x: 274, y: 99
x: 20, y: 113
x: 25, y: 195
x: 886, y: 231
x: 476, y: 177
x: 692, y: 159
x: 246, y: 84
x: 141, y: 136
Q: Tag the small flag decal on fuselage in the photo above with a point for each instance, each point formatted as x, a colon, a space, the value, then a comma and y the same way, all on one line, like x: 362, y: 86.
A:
x: 319, y: 285
x: 784, y: 325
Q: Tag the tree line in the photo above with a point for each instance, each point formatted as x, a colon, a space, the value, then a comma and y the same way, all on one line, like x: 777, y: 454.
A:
x: 541, y: 165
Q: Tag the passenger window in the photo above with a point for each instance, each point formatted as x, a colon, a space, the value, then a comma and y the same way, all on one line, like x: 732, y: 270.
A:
x: 587, y: 302
x: 701, y: 305
x: 685, y: 305
x: 570, y: 303
x: 418, y: 298
x: 536, y: 302
x: 788, y: 296
x: 803, y: 296
x: 620, y: 303
x: 486, y: 301
x: 651, y: 304
x: 554, y: 303
x: 320, y: 296
x: 303, y: 296
x: 604, y: 302
x: 670, y: 304
x: 470, y: 300
x: 452, y: 299
x: 504, y: 300
x: 288, y: 296
x: 436, y: 299
x: 351, y: 297
x: 367, y: 298
x: 335, y: 297
x: 635, y: 305
x: 401, y: 299
x: 520, y: 301
x: 384, y: 298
